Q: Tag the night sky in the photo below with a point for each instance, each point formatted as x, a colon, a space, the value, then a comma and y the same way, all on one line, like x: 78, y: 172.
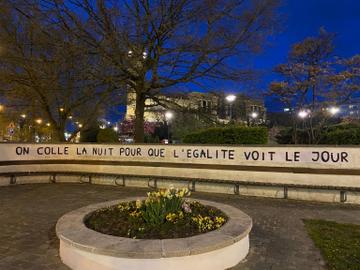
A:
x: 303, y: 18
x: 300, y: 19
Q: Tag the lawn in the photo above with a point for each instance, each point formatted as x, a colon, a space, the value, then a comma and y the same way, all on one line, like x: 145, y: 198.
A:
x: 338, y: 243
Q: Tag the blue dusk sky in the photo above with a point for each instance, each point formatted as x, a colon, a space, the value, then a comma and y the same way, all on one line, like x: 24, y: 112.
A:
x: 303, y: 18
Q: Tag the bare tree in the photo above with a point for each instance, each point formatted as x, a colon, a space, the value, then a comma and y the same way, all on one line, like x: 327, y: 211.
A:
x: 314, y: 79
x: 165, y: 44
x: 48, y: 72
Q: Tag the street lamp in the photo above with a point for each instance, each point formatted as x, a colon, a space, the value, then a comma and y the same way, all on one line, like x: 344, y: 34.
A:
x: 2, y: 107
x: 254, y: 115
x: 23, y: 116
x: 334, y: 110
x: 38, y: 121
x: 168, y: 116
x: 303, y: 113
x: 230, y: 99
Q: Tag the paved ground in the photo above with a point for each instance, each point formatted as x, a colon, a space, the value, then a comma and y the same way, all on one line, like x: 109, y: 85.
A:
x: 28, y: 215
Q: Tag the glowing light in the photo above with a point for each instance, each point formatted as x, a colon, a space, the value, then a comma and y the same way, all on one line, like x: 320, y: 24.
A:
x: 334, y: 110
x: 230, y: 98
x: 169, y: 115
x: 23, y: 116
x: 254, y: 115
x: 116, y: 129
x: 48, y: 124
x: 2, y: 107
x: 61, y: 109
x: 70, y: 117
x: 80, y: 125
x: 38, y: 121
x: 303, y: 113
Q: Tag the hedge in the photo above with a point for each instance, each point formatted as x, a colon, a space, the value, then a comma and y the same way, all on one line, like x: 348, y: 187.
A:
x: 107, y: 135
x: 229, y: 135
x: 342, y: 136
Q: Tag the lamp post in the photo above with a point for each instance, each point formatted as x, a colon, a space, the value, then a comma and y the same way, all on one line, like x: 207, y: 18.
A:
x: 230, y: 99
x: 303, y: 114
x: 253, y: 116
x: 334, y: 110
x: 168, y: 116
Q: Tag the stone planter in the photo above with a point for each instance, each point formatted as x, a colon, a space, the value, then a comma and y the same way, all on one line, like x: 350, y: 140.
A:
x: 84, y: 249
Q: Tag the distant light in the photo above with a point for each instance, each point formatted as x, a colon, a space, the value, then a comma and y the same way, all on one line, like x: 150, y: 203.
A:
x: 116, y: 129
x: 130, y: 53
x: 254, y: 115
x: 70, y: 117
x: 144, y: 55
x: 61, y: 109
x: 303, y: 113
x: 39, y: 121
x: 169, y: 115
x: 286, y: 109
x: 23, y: 116
x: 334, y: 110
x: 230, y: 98
x: 80, y: 125
x: 67, y: 135
x: 48, y: 124
x: 102, y: 126
x: 108, y: 122
x: 2, y: 107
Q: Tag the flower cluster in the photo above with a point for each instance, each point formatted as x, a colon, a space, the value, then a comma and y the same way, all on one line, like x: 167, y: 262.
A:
x: 167, y: 194
x: 208, y: 223
x: 164, y: 213
x: 174, y: 217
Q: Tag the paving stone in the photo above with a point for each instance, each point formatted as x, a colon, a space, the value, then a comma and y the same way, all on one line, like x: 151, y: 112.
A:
x: 278, y: 240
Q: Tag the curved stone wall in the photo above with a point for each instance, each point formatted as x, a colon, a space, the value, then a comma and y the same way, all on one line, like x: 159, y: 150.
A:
x: 313, y: 173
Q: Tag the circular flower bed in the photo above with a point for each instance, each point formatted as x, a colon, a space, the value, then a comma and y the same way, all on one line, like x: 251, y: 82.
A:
x: 162, y: 215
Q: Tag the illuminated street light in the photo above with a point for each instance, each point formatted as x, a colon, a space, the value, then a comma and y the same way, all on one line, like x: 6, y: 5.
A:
x: 334, y: 110
x: 70, y: 117
x: 80, y: 125
x: 61, y: 109
x: 230, y: 99
x: 144, y: 55
x: 23, y: 116
x: 39, y: 121
x: 48, y: 124
x: 254, y: 115
x: 169, y: 115
x: 116, y: 129
x: 2, y: 107
x: 303, y: 113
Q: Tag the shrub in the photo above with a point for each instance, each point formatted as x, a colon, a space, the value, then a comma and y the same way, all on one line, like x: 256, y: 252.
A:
x: 348, y: 134
x: 229, y: 135
x: 107, y: 135
x: 342, y: 135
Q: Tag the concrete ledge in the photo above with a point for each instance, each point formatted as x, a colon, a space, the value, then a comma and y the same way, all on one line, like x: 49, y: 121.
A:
x: 82, y: 248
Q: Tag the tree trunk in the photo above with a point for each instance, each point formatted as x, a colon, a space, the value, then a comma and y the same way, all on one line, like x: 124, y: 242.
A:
x: 139, y: 118
x: 58, y: 135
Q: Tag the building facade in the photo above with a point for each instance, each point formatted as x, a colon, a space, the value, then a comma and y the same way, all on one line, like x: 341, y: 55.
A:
x: 243, y: 109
